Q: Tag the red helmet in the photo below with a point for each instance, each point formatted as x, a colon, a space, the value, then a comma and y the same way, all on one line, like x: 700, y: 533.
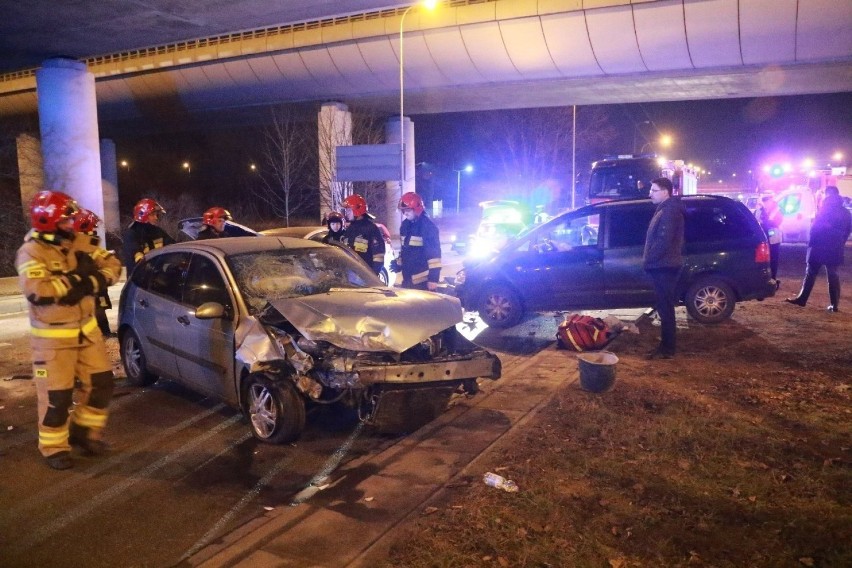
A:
x: 86, y: 221
x: 215, y: 213
x: 48, y: 208
x: 333, y: 217
x: 412, y: 201
x: 356, y: 203
x: 144, y: 208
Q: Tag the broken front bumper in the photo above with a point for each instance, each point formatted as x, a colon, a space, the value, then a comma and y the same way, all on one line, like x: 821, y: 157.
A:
x: 480, y: 365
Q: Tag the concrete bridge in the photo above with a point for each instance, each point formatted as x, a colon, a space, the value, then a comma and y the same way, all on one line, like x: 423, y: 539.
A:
x: 464, y: 55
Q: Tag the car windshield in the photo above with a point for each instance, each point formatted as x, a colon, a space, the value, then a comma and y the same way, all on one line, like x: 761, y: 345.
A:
x: 291, y: 273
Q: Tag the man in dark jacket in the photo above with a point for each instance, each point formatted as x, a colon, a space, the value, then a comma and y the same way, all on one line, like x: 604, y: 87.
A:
x: 143, y: 234
x: 420, y: 257
x: 829, y: 232
x: 663, y: 259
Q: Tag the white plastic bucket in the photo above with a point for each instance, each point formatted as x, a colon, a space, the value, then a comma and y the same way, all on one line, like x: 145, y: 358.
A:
x: 597, y: 370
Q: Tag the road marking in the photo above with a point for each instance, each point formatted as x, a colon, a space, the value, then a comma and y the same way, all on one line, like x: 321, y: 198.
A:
x: 241, y: 504
x: 54, y: 490
x: 318, y: 480
x: 96, y: 501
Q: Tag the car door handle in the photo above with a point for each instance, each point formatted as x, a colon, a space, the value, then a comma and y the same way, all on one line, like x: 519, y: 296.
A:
x: 183, y: 320
x: 143, y: 302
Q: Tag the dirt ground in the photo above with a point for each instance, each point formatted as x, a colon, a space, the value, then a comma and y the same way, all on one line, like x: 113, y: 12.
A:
x: 735, y: 453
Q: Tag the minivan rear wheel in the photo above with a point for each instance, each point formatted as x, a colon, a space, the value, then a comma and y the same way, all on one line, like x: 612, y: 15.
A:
x: 500, y: 306
x: 710, y: 300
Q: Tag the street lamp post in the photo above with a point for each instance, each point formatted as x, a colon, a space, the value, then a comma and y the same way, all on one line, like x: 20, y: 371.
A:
x: 468, y: 168
x: 429, y: 5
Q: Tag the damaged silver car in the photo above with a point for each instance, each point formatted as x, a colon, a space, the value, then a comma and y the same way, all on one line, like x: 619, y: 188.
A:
x: 273, y: 324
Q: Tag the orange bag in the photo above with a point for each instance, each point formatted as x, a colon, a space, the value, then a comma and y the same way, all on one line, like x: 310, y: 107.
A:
x: 583, y: 333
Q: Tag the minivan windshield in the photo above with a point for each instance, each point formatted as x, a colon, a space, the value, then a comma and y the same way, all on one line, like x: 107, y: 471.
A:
x: 290, y: 273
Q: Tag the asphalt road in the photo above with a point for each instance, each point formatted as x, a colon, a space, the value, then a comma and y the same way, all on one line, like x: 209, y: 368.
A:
x: 184, y: 469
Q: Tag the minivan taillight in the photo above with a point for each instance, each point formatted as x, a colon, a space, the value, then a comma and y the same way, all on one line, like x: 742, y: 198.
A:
x: 761, y: 253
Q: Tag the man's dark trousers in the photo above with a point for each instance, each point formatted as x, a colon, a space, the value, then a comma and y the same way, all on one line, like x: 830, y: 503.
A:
x: 665, y: 281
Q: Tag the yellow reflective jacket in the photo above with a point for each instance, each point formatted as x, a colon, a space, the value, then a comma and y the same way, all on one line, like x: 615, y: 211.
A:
x: 43, y: 263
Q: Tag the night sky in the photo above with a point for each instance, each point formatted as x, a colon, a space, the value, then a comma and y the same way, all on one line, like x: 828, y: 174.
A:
x: 742, y: 132
x: 731, y: 135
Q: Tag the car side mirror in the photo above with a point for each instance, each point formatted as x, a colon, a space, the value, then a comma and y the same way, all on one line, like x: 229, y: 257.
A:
x: 210, y: 310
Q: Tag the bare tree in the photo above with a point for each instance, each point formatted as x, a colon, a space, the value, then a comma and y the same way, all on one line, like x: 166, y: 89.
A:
x: 333, y: 129
x: 13, y: 220
x: 531, y: 147
x: 287, y: 154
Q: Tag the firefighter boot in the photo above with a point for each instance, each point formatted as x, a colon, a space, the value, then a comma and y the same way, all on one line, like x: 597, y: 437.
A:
x: 60, y: 460
x: 79, y: 436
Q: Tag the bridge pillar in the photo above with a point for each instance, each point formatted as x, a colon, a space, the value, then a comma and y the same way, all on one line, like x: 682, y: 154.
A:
x: 395, y: 135
x: 30, y: 169
x: 68, y: 120
x: 334, y: 124
x: 109, y: 179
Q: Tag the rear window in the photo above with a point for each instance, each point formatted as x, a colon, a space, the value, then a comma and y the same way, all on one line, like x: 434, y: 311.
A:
x: 715, y: 222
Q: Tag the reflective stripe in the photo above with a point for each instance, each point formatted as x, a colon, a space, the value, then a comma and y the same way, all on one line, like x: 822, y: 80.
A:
x: 31, y: 264
x: 111, y: 277
x: 65, y: 333
x: 49, y: 439
x: 88, y: 418
x: 415, y: 242
x: 434, y: 263
x: 378, y: 258
x: 420, y: 277
x: 138, y: 256
x: 59, y: 286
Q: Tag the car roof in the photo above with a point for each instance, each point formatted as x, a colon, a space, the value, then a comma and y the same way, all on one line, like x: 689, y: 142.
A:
x: 697, y: 198
x: 296, y: 232
x: 239, y: 245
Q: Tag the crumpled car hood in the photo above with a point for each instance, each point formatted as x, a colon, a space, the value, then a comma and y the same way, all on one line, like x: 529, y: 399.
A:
x: 371, y: 319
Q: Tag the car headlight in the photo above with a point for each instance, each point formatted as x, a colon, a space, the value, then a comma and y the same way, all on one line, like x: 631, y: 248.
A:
x: 461, y: 276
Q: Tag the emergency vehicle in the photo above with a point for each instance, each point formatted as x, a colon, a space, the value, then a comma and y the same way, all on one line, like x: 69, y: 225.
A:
x: 628, y: 175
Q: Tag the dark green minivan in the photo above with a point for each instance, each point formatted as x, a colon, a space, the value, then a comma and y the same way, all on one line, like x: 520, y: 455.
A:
x: 591, y: 258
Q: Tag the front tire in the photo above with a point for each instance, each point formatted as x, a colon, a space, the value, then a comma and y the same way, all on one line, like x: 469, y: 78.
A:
x: 500, y: 306
x: 710, y: 300
x: 134, y: 362
x: 275, y: 411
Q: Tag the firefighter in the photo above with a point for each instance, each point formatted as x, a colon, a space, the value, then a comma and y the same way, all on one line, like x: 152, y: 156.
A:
x: 213, y: 223
x: 334, y: 222
x: 60, y: 282
x: 362, y: 235
x: 85, y: 225
x: 420, y: 257
x: 143, y: 234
